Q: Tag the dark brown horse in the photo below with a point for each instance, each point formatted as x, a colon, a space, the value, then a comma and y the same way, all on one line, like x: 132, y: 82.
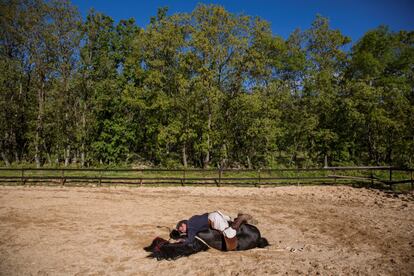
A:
x: 248, y: 237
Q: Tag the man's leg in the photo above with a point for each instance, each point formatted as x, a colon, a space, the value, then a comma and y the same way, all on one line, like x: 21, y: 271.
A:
x: 226, y: 217
x: 217, y: 221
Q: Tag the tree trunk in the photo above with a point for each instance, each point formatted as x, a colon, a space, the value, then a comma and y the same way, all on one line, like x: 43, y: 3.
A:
x: 5, y: 159
x: 83, y: 157
x: 207, y: 156
x: 75, y: 158
x: 49, y: 159
x: 83, y: 135
x: 39, y: 127
x: 37, y: 152
x: 67, y: 156
x: 223, y: 161
x: 16, y: 157
x: 184, y: 151
x: 249, y: 163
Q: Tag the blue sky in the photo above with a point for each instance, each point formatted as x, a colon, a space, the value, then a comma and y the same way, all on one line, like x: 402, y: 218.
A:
x: 353, y: 18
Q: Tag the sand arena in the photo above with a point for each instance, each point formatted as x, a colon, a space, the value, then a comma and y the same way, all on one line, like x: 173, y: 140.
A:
x: 101, y: 231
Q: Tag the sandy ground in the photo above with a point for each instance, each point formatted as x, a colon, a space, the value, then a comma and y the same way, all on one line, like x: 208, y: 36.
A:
x: 101, y: 231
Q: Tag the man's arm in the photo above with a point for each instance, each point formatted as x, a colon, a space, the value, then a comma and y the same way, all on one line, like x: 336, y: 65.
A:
x: 190, y: 236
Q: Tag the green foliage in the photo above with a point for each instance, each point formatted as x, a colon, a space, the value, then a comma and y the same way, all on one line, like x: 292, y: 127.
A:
x: 204, y: 89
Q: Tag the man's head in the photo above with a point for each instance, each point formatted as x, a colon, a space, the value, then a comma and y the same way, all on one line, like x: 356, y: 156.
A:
x: 182, y: 226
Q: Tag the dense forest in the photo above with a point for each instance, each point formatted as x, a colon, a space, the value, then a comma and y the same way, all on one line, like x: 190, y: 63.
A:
x: 202, y: 89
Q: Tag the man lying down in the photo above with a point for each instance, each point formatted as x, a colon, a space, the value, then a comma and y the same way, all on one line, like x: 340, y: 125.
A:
x: 214, y: 220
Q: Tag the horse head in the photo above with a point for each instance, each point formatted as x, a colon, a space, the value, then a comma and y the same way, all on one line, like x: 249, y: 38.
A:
x: 175, y: 234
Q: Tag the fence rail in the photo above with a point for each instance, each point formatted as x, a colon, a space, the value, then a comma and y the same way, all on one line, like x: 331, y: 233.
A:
x: 388, y: 176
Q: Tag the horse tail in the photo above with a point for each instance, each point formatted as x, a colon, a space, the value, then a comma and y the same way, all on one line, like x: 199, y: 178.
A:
x: 262, y: 243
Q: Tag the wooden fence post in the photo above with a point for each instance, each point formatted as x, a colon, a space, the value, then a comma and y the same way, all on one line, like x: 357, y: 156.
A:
x: 412, y: 181
x: 183, y: 180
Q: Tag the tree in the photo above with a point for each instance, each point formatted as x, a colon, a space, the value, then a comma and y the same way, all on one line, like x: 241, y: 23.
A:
x: 206, y: 88
x: 327, y: 59
x: 103, y: 126
x: 380, y: 93
x: 14, y: 81
x: 64, y: 97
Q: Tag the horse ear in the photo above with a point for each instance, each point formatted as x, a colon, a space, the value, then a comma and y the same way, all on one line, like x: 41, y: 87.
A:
x: 175, y: 234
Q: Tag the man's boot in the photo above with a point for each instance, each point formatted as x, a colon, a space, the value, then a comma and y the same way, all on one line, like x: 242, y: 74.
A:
x: 241, y: 218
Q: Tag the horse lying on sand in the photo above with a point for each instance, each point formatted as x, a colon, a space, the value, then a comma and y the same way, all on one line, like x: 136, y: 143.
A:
x: 248, y: 237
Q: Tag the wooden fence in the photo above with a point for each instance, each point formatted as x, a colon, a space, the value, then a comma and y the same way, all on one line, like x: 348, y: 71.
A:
x: 388, y: 176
